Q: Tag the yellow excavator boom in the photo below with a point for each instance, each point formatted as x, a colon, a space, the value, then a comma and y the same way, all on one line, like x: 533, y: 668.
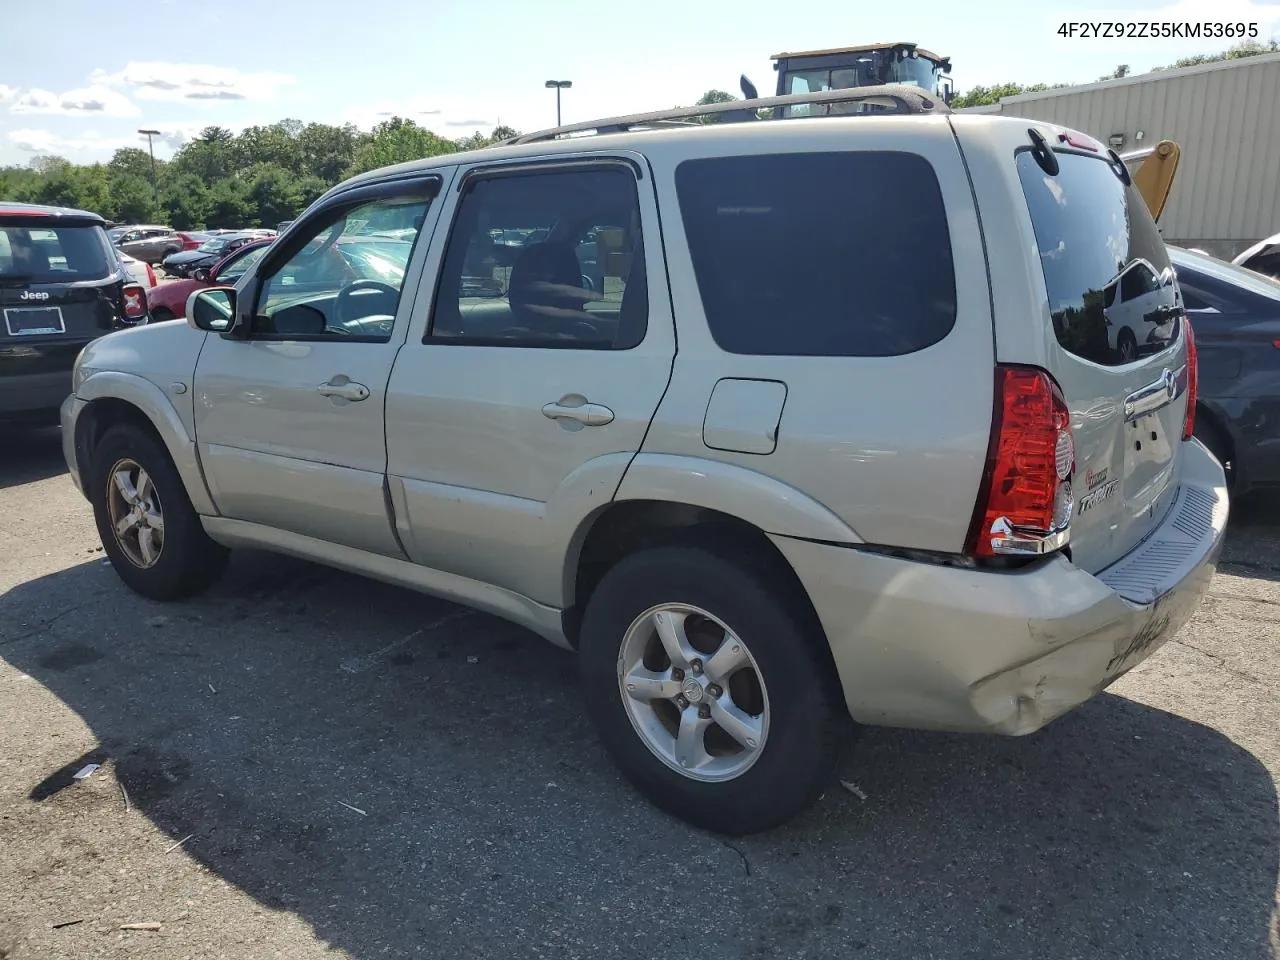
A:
x: 1157, y: 166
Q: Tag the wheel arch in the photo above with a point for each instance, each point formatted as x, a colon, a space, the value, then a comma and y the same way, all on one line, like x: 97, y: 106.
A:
x: 111, y: 398
x: 624, y: 527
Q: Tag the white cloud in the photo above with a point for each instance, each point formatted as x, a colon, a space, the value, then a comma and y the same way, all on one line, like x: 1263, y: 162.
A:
x: 91, y: 145
x: 7, y: 93
x: 193, y: 83
x: 96, y: 100
x: 438, y: 115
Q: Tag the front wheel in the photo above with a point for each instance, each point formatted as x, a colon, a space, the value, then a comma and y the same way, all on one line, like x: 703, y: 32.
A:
x: 148, y: 527
x: 710, y: 690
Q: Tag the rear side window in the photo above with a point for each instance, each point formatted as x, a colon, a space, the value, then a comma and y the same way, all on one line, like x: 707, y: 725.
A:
x: 820, y: 254
x: 1111, y: 290
x: 35, y: 254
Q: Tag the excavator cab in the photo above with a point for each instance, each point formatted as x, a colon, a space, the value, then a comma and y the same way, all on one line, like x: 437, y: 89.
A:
x: 870, y: 66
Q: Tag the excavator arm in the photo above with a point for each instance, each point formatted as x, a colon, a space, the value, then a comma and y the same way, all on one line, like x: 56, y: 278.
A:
x: 1154, y: 173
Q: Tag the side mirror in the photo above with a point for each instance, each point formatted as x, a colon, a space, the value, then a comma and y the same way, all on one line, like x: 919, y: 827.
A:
x: 212, y: 310
x: 202, y: 275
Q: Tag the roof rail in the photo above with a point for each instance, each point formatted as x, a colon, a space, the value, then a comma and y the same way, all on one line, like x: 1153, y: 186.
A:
x: 896, y: 98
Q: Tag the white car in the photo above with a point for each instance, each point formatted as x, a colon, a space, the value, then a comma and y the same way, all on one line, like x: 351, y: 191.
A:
x: 140, y: 271
x: 1263, y: 257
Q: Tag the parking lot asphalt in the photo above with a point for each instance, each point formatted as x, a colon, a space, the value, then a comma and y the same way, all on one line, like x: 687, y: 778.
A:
x: 302, y: 763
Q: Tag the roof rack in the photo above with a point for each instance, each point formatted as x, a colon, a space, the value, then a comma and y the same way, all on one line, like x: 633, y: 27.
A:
x: 895, y: 98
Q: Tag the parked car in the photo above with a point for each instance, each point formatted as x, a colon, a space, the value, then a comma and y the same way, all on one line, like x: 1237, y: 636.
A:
x: 895, y: 472
x: 1263, y: 257
x: 61, y: 286
x: 214, y: 249
x: 1236, y: 316
x: 153, y: 244
x: 141, y: 272
x: 169, y: 300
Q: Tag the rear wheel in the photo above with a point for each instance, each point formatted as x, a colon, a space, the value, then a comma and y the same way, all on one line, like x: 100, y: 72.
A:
x: 1127, y: 344
x: 709, y: 691
x: 148, y: 527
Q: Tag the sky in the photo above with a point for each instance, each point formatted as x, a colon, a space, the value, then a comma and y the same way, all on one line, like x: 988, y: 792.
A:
x: 80, y: 77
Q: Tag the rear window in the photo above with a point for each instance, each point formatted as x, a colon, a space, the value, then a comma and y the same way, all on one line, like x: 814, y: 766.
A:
x: 820, y: 254
x: 36, y: 254
x: 1111, y: 289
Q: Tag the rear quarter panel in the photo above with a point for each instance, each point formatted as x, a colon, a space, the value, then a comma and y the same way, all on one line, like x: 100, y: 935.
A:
x: 892, y: 446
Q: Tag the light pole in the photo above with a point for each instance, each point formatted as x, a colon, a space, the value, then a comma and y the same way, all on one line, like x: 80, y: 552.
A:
x: 155, y: 191
x: 557, y: 86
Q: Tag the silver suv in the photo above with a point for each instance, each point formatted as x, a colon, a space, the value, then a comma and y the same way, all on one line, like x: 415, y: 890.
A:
x: 771, y: 423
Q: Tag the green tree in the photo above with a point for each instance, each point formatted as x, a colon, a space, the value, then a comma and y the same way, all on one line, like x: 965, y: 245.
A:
x: 326, y: 151
x: 396, y: 141
x: 1249, y: 48
x: 186, y: 202
x: 210, y: 156
x: 272, y: 195
x: 82, y: 187
x: 132, y: 162
x: 229, y: 204
x: 132, y: 200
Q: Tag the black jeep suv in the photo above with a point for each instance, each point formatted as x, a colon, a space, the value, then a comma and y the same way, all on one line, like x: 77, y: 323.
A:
x: 61, y: 285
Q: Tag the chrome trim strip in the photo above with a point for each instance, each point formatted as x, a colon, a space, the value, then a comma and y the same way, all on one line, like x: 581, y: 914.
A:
x: 1159, y: 393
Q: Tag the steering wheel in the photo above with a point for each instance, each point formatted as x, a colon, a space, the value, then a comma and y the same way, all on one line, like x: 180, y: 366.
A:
x: 341, y: 305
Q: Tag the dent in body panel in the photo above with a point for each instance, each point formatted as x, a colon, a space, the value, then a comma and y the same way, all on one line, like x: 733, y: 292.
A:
x: 320, y: 500
x: 541, y: 619
x: 516, y: 543
x: 761, y: 500
x: 743, y: 415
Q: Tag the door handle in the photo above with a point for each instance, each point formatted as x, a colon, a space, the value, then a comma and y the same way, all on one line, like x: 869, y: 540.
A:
x: 587, y: 414
x: 343, y: 387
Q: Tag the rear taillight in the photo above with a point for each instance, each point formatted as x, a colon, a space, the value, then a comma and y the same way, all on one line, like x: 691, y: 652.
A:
x: 135, y: 303
x: 1025, y: 503
x: 1193, y: 377
x: 151, y: 275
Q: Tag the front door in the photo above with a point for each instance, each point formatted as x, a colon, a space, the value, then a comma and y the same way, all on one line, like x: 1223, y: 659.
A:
x: 289, y: 419
x: 548, y: 348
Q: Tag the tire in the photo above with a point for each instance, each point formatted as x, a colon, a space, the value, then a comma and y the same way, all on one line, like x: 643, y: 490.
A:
x: 186, y: 560
x: 804, y: 719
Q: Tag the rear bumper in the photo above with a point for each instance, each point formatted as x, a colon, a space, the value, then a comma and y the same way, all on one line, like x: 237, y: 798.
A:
x: 933, y: 647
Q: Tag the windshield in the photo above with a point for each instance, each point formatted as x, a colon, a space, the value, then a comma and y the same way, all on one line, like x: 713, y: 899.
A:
x: 212, y: 246
x: 917, y: 71
x: 62, y: 253
x: 1226, y: 272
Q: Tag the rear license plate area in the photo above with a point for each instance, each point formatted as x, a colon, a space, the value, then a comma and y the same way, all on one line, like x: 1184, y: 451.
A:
x: 34, y: 321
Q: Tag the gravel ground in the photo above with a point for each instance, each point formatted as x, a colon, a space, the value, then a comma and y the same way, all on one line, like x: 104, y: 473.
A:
x: 304, y: 764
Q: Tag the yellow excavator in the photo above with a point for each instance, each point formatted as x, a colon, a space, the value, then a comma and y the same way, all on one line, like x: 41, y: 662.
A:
x: 1153, y: 170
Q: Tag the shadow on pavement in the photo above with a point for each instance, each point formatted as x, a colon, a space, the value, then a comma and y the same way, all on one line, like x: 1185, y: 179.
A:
x: 28, y: 454
x: 494, y: 826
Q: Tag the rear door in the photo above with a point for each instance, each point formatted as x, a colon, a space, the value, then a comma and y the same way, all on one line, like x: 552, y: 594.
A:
x: 517, y: 412
x: 1120, y: 360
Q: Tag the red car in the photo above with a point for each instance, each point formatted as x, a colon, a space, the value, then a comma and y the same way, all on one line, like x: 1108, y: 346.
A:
x: 168, y: 301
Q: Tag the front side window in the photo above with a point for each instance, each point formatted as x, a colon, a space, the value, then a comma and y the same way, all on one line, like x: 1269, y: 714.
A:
x: 1094, y: 234
x: 820, y: 254
x: 346, y: 280
x: 545, y: 259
